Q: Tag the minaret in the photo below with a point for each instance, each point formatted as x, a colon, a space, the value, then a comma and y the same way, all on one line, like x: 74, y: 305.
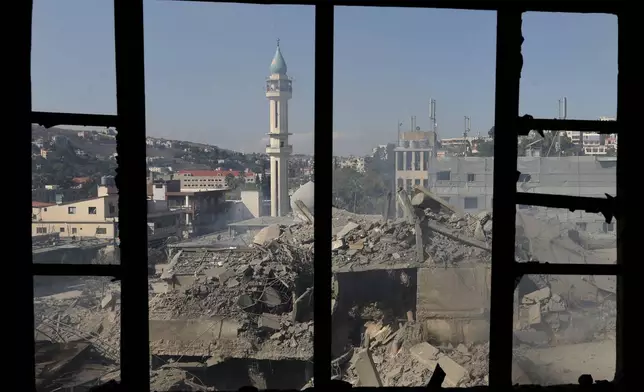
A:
x: 279, y: 91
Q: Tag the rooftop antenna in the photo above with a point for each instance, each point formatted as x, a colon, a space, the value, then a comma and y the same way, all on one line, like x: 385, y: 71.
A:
x: 432, y: 114
x: 466, y: 130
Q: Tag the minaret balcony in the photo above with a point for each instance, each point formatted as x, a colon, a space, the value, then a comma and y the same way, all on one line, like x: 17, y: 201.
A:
x: 272, y: 150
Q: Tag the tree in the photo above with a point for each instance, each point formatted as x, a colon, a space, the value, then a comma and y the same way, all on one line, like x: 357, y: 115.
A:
x: 485, y: 149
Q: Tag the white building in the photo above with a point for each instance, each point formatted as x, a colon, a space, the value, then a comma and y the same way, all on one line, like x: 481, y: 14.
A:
x: 279, y: 90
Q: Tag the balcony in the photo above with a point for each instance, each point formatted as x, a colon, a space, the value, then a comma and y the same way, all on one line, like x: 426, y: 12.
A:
x: 287, y: 149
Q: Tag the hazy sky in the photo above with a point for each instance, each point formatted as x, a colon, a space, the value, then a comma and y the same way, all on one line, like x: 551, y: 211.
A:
x: 206, y: 65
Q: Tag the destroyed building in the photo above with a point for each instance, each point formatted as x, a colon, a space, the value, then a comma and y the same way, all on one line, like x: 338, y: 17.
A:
x: 414, y: 292
x: 237, y: 316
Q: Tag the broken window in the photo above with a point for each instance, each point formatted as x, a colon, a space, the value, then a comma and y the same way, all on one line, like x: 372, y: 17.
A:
x: 91, y: 210
x: 608, y: 227
x: 74, y: 230
x: 101, y: 230
x: 471, y: 177
x: 62, y: 229
x: 71, y: 210
x: 41, y: 230
x: 377, y: 324
x: 444, y: 175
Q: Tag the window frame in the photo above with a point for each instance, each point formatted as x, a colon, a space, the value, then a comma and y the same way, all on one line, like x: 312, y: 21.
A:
x: 131, y: 142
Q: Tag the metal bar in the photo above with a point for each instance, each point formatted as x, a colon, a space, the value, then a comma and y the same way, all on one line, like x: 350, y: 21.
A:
x: 508, y: 73
x: 544, y: 268
x: 49, y: 119
x: 629, y: 286
x: 324, y: 25
x: 609, y: 7
x: 18, y: 76
x: 51, y: 269
x: 526, y: 124
x: 606, y: 207
x: 131, y: 172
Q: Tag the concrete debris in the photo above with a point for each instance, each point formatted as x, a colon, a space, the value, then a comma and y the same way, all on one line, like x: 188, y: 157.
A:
x: 267, y: 234
x: 445, y: 239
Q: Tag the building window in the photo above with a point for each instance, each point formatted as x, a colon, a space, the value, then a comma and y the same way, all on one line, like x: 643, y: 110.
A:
x: 45, y: 209
x: 417, y: 182
x: 471, y: 177
x: 62, y: 229
x: 74, y: 230
x: 275, y: 114
x: 41, y: 230
x: 281, y: 144
x: 112, y: 209
x: 409, y: 185
x: 471, y: 203
x: 401, y: 183
x: 582, y: 226
x: 425, y: 183
x: 444, y: 175
x: 608, y: 227
x: 524, y: 177
x: 400, y: 161
x: 91, y: 210
x: 101, y: 230
x: 71, y: 210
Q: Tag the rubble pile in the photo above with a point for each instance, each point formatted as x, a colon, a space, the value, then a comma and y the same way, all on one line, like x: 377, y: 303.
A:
x: 90, y: 313
x: 266, y: 288
x: 546, y: 317
x: 447, y: 238
x: 401, y: 358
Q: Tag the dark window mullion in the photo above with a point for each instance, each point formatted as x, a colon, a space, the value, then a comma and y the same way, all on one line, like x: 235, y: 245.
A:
x: 506, y: 111
x: 323, y: 162
x: 131, y: 172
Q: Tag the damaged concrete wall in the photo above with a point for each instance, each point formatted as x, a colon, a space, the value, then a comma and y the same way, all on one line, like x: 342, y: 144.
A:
x: 452, y: 302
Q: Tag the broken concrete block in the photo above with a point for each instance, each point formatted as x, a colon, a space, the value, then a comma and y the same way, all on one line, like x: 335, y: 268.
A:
x: 479, y: 234
x: 455, y: 374
x: 269, y: 321
x: 108, y: 301
x: 426, y: 354
x: 220, y: 273
x: 232, y: 283
x: 337, y: 244
x: 534, y: 314
x: 352, y: 252
x: 267, y: 235
x: 348, y: 228
x: 366, y: 370
x: 536, y: 296
x: 358, y: 245
x: 271, y: 297
x: 159, y: 287
x: 462, y: 349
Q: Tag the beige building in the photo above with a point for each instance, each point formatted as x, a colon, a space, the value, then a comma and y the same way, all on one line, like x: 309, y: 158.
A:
x: 96, y: 217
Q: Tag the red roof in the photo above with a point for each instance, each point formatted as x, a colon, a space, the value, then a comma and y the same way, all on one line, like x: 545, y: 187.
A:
x: 38, y: 204
x: 215, y: 173
x: 80, y: 180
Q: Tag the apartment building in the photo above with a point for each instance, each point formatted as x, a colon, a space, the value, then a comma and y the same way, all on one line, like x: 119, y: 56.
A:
x: 201, y: 211
x: 96, y: 217
x: 467, y: 182
x: 413, y: 154
x: 211, y: 179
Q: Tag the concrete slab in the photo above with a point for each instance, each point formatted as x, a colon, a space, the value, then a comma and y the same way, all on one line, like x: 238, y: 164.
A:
x: 366, y: 370
x: 426, y: 354
x: 193, y: 330
x: 463, y: 288
x: 267, y: 234
x: 455, y: 374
